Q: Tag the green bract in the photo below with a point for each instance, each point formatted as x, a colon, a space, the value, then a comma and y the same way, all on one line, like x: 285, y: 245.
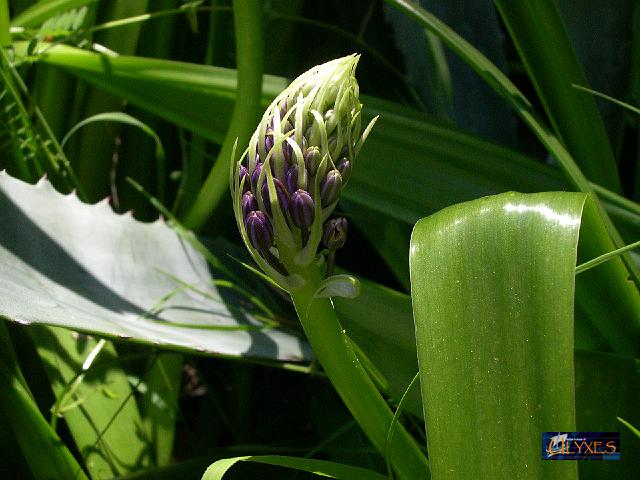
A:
x: 287, y: 182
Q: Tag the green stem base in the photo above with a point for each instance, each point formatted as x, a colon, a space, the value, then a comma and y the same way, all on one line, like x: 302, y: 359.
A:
x: 333, y: 349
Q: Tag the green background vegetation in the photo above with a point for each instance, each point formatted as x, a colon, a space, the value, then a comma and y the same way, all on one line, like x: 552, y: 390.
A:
x: 141, y: 350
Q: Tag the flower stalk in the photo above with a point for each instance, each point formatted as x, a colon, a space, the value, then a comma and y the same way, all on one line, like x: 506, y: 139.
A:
x: 285, y: 186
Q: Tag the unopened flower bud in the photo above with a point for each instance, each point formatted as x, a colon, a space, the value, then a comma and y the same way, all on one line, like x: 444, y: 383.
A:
x: 244, y: 174
x: 311, y: 134
x: 249, y: 204
x: 331, y: 119
x: 312, y: 159
x: 255, y: 176
x: 302, y: 209
x: 259, y: 231
x: 284, y: 107
x: 268, y: 140
x: 330, y: 188
x: 293, y: 176
x: 334, y: 234
x: 344, y: 167
x: 283, y: 196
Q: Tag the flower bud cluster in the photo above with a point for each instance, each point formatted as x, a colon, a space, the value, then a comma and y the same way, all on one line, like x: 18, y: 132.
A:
x: 288, y: 182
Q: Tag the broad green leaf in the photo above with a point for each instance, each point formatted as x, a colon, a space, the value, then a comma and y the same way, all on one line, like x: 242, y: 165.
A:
x: 100, y: 410
x: 322, y: 468
x: 492, y: 284
x: 197, y: 97
x: 64, y: 263
x: 553, y: 67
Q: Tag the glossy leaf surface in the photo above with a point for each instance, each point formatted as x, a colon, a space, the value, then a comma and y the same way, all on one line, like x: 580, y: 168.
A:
x: 492, y: 289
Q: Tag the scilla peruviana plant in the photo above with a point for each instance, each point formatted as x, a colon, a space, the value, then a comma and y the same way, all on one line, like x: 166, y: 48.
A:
x: 285, y: 186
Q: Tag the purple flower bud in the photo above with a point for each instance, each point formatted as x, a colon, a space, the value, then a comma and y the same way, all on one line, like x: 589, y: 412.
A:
x: 244, y: 173
x: 287, y: 151
x: 308, y: 133
x: 302, y: 209
x: 259, y: 231
x: 344, y: 167
x: 312, y: 159
x: 249, y: 204
x: 284, y: 107
x: 268, y: 140
x: 283, y: 196
x: 334, y: 233
x: 330, y: 187
x: 332, y: 142
x: 292, y: 179
x: 255, y: 176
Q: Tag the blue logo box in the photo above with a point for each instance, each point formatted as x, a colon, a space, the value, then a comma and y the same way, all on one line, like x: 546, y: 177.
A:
x: 581, y: 445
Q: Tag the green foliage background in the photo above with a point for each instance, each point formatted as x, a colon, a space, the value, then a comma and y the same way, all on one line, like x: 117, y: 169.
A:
x: 475, y: 98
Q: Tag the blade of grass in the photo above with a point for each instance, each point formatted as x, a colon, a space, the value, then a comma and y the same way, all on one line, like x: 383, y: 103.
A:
x: 124, y: 118
x: 320, y: 467
x: 633, y: 429
x: 553, y: 67
x: 492, y: 284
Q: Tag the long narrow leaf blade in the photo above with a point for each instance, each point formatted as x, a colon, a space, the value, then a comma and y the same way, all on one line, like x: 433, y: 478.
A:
x: 197, y: 97
x: 492, y: 283
x: 320, y: 467
x: 553, y: 67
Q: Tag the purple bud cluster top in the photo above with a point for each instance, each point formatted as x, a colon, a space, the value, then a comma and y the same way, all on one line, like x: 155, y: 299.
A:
x: 289, y: 180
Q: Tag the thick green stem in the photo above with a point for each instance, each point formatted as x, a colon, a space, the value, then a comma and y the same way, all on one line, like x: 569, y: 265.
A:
x: 333, y: 349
